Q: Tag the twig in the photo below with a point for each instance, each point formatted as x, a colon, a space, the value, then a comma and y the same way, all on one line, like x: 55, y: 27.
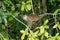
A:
x: 49, y: 14
x: 52, y: 13
x: 44, y: 6
x: 32, y: 6
x: 21, y: 22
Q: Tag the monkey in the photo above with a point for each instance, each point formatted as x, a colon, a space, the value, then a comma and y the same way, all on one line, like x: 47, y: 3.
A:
x: 32, y: 19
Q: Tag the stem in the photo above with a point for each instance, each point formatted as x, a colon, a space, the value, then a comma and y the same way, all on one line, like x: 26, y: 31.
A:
x: 32, y: 6
x: 21, y: 22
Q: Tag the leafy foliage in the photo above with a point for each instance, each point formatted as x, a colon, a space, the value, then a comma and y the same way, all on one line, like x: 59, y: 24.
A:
x: 13, y: 29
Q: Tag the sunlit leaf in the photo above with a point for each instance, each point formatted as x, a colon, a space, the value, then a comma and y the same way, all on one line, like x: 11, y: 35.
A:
x: 26, y: 31
x: 3, y: 26
x: 57, y: 34
x: 59, y: 26
x: 22, y: 7
x: 22, y: 37
x: 28, y: 7
x: 56, y: 11
x: 23, y: 34
x: 36, y: 32
x: 46, y: 34
x: 46, y: 21
x: 22, y: 31
x: 28, y: 2
x: 56, y: 25
x: 41, y: 30
x: 46, y: 26
x: 58, y: 37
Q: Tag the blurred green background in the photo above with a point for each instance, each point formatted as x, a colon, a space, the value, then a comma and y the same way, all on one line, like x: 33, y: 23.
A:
x: 11, y: 29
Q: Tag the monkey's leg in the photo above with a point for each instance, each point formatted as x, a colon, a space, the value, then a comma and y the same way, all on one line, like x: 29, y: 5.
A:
x: 29, y: 24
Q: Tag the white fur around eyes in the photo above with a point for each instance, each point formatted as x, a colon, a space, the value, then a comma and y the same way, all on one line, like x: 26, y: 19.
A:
x: 25, y: 17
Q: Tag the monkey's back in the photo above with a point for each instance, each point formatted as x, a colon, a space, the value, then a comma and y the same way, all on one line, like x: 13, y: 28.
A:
x: 33, y: 17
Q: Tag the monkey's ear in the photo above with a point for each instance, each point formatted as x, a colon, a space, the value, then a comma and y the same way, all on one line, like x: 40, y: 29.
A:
x: 24, y: 17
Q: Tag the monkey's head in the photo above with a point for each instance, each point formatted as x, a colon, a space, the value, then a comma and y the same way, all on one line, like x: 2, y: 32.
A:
x: 25, y: 17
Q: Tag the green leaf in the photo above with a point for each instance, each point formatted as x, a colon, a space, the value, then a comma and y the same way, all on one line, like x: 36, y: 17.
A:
x: 57, y: 34
x: 10, y: 19
x: 46, y: 34
x: 8, y: 14
x: 58, y: 37
x: 5, y: 20
x: 36, y: 32
x: 42, y: 30
x: 46, y: 26
x: 18, y: 5
x: 46, y: 21
x: 56, y: 11
x: 28, y: 2
x: 15, y: 14
x: 12, y: 8
x: 22, y: 31
x: 3, y: 27
x: 26, y: 31
x: 4, y: 35
x: 59, y: 26
x: 28, y: 7
x: 22, y: 37
x: 22, y: 7
x: 56, y: 25
x: 8, y: 2
x: 23, y: 3
x: 0, y: 19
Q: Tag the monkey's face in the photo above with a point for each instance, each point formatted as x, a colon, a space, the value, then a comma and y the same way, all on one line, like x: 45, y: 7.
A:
x: 25, y: 17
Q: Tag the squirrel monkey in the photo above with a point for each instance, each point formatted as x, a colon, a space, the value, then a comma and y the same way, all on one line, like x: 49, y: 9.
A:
x: 32, y: 19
